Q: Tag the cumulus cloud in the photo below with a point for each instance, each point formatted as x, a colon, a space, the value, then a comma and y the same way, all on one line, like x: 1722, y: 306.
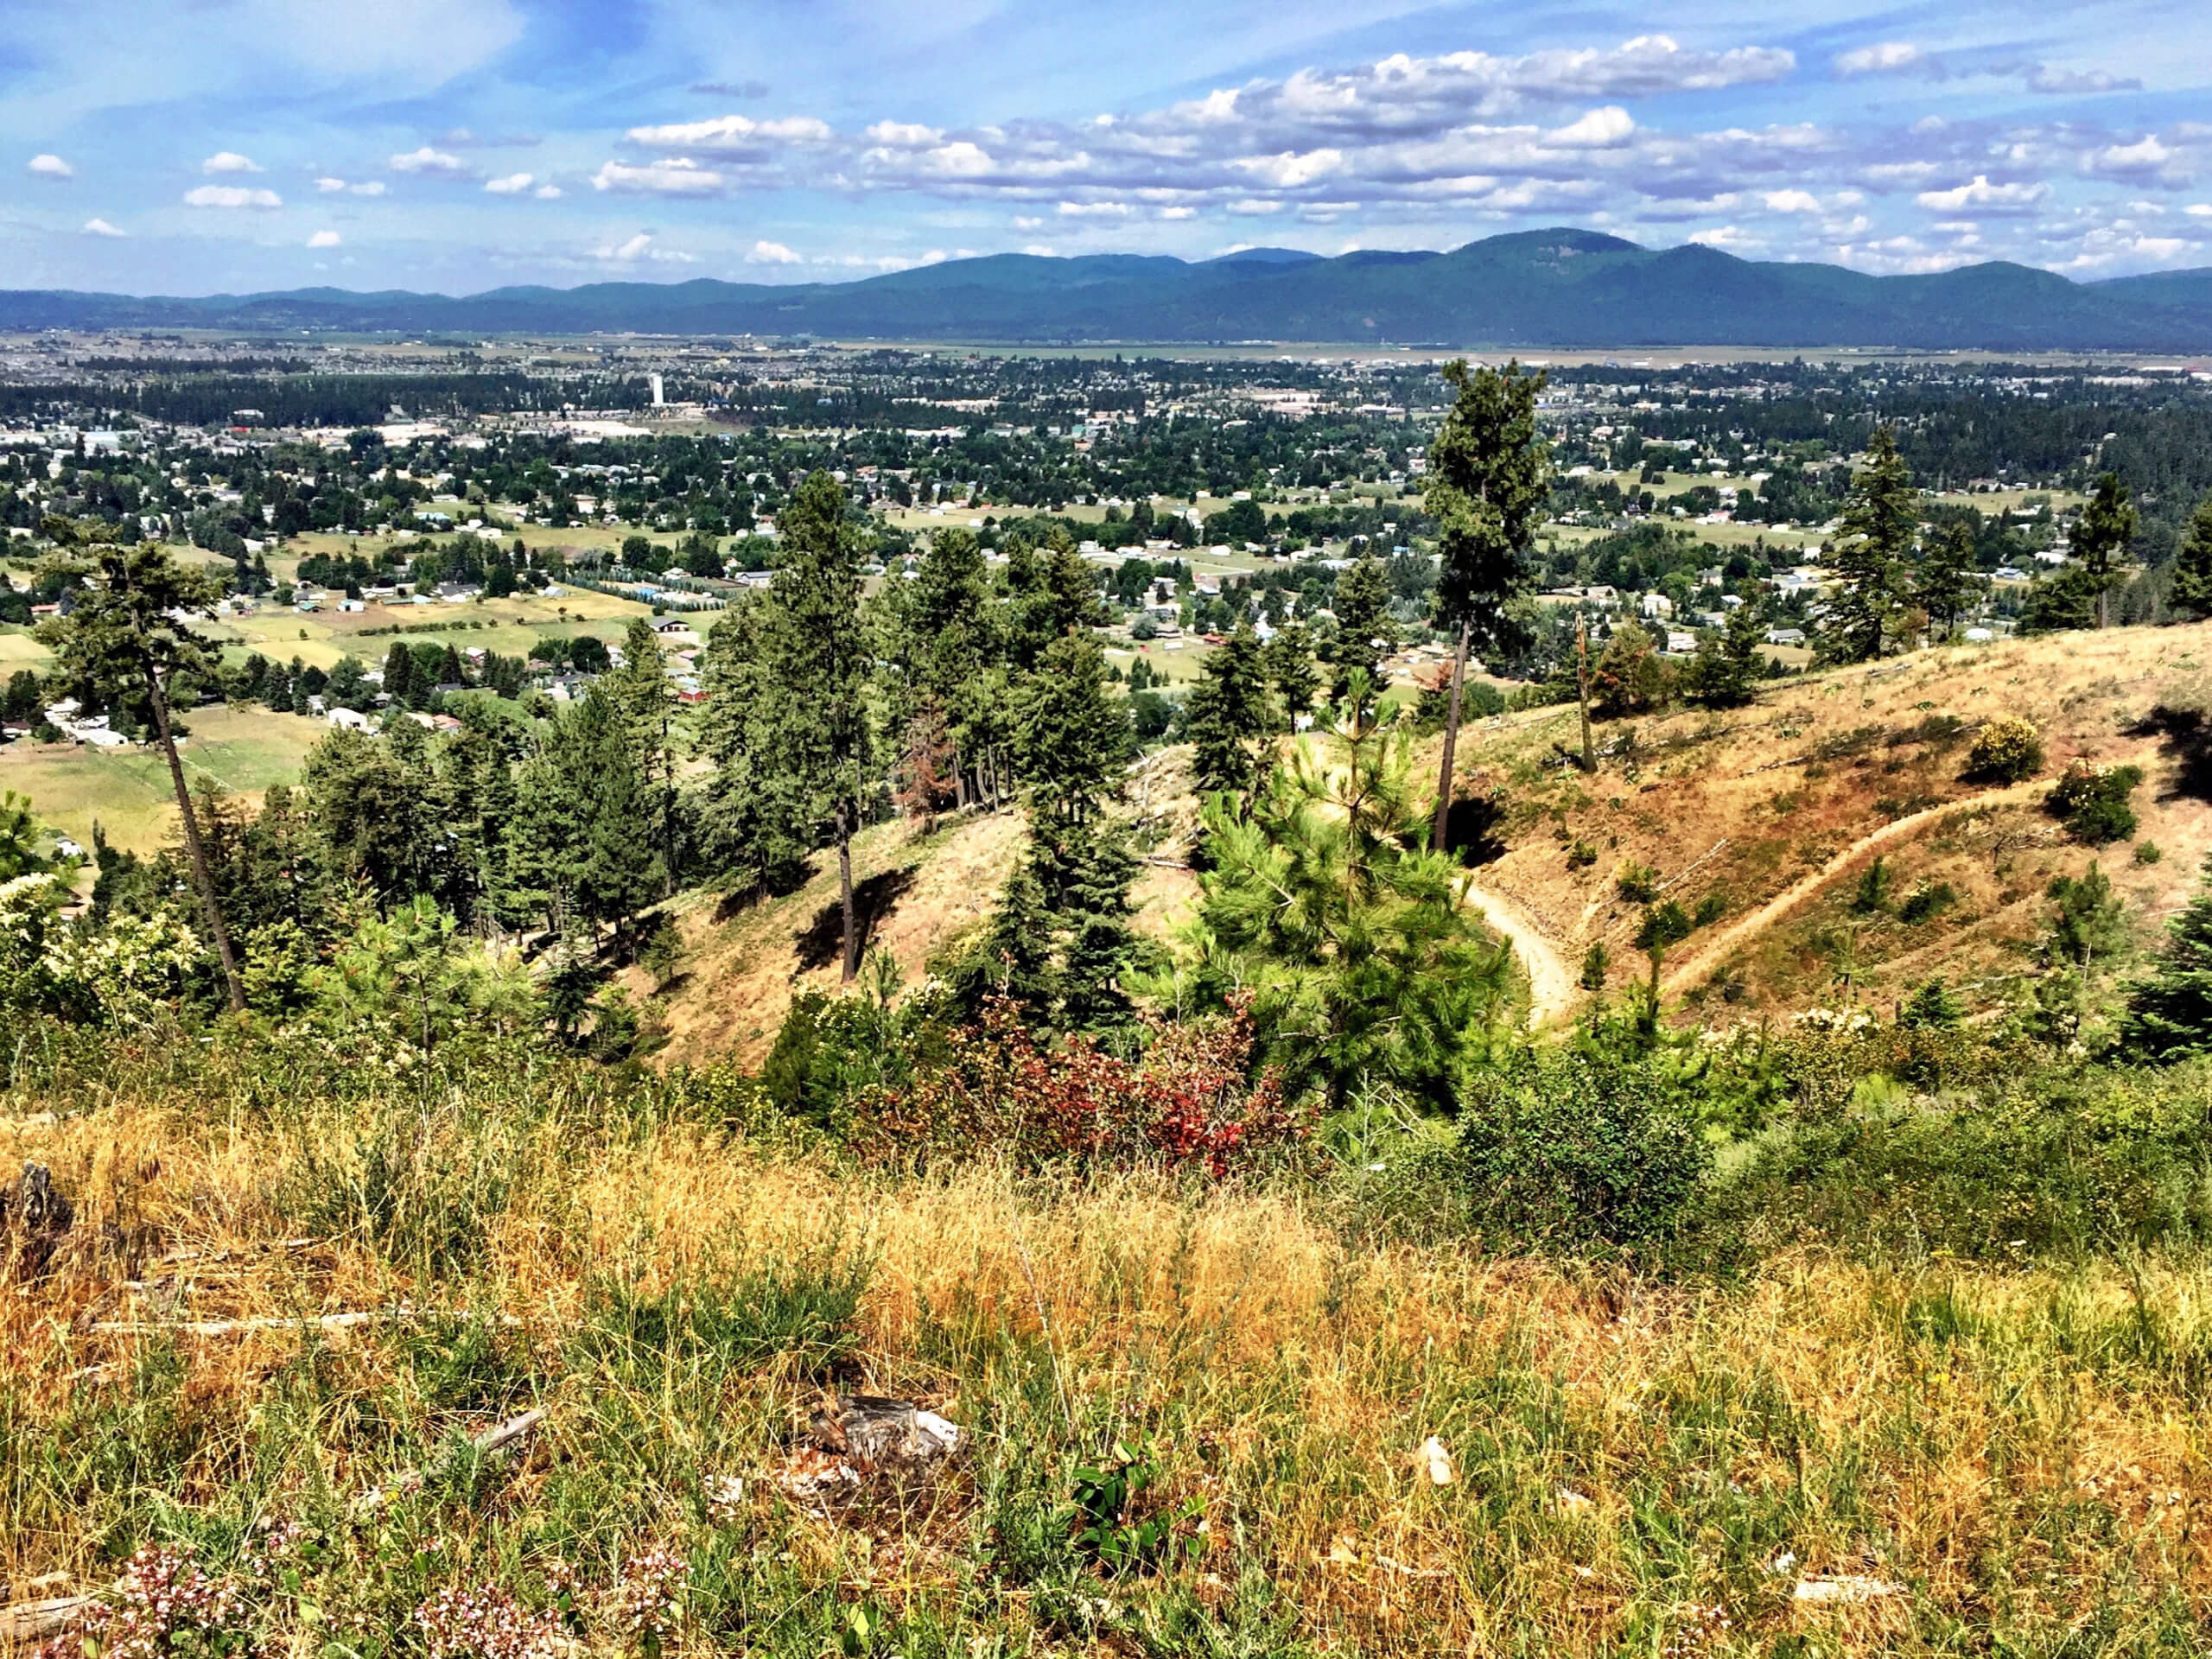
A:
x: 1982, y: 196
x: 764, y: 252
x: 1791, y: 201
x: 49, y: 167
x: 231, y: 195
x: 324, y: 239
x: 512, y: 184
x: 547, y: 193
x: 331, y: 187
x: 640, y: 246
x: 101, y: 227
x: 1600, y: 129
x: 672, y: 175
x: 229, y: 160
x: 437, y: 163
x: 1883, y: 58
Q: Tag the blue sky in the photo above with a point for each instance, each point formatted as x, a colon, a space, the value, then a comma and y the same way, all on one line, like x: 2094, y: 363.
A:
x: 226, y: 145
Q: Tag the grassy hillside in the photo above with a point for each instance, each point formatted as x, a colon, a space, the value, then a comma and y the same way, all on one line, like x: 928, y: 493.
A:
x: 1791, y: 798
x: 1774, y: 811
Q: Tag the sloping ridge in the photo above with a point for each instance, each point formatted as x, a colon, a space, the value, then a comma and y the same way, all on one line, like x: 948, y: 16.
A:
x: 1556, y: 287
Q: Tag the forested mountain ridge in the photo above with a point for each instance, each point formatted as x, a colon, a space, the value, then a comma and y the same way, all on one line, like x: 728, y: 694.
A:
x: 1552, y: 287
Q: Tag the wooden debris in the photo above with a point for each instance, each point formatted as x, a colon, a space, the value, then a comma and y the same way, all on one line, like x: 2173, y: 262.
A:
x: 1848, y: 1588
x: 37, y: 1621
x: 493, y: 1439
x: 281, y: 1322
x: 34, y: 1220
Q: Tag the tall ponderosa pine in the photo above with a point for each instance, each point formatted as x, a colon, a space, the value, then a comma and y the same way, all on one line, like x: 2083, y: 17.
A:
x: 752, y: 814
x: 1289, y: 660
x: 947, y: 634
x: 1729, y: 663
x: 826, y: 733
x: 2192, y: 595
x: 1062, y: 942
x: 1880, y: 517
x: 1946, y: 581
x: 1486, y: 490
x: 124, y: 636
x: 1231, y: 716
x: 2169, y: 1014
x: 1364, y: 628
x: 2102, y: 535
x: 646, y: 697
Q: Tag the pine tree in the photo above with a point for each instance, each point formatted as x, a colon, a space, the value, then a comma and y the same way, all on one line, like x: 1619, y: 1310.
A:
x: 1729, y: 663
x: 124, y: 636
x: 1070, y: 737
x: 1290, y: 662
x: 2191, y: 597
x: 2169, y: 1014
x: 2102, y: 536
x: 1231, y: 715
x: 1879, y: 519
x: 399, y: 674
x: 1485, y: 489
x: 826, y: 733
x: 1364, y: 628
x: 1946, y: 582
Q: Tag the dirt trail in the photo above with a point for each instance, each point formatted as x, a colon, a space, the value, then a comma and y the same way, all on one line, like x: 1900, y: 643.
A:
x: 1551, y: 982
x: 1712, y: 949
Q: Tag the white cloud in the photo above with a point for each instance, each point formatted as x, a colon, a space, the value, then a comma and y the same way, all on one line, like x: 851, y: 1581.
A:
x: 231, y: 195
x: 512, y: 184
x: 764, y: 252
x: 1024, y: 222
x: 1984, y: 195
x: 1883, y: 58
x: 2199, y: 209
x: 640, y: 246
x: 2146, y: 155
x: 329, y: 186
x: 49, y: 167
x: 373, y: 188
x: 1093, y: 210
x: 229, y: 160
x: 101, y: 227
x: 547, y: 193
x: 674, y: 176
x: 734, y: 135
x: 1598, y: 129
x: 1041, y: 250
x: 323, y: 239
x: 436, y: 162
x: 1178, y: 213
x: 1792, y: 201
x: 1728, y: 238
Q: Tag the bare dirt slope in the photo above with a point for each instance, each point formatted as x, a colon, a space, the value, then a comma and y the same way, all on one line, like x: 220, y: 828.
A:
x: 1776, y: 812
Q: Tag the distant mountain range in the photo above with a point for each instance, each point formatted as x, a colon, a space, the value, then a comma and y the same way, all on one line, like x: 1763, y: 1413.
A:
x: 1533, y: 289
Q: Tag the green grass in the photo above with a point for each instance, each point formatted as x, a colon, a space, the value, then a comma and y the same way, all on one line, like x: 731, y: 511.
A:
x: 128, y: 793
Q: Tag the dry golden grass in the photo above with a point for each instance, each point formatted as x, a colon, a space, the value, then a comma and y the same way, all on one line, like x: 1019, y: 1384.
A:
x: 1631, y: 1459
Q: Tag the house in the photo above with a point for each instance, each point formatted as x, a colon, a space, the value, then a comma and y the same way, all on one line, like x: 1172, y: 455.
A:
x: 1785, y: 635
x: 349, y: 720
x: 1681, y: 642
x: 1657, y: 607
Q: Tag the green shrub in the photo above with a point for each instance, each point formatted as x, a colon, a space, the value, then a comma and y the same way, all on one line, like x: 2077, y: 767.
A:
x: 2147, y: 852
x: 1577, y: 1149
x: 2006, y: 751
x: 1637, y: 883
x: 2092, y: 802
x: 1710, y: 909
x: 1929, y: 898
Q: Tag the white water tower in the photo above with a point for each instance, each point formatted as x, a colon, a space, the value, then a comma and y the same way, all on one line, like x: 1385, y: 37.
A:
x: 653, y: 380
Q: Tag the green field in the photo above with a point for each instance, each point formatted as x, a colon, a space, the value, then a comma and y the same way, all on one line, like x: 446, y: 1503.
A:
x: 127, y: 792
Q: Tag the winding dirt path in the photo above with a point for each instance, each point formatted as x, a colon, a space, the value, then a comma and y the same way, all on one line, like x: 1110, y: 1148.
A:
x: 1712, y: 949
x: 1551, y: 982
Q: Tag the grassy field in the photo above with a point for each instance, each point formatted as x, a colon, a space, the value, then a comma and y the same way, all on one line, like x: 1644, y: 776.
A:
x: 1361, y: 1446
x: 507, y: 625
x: 127, y: 792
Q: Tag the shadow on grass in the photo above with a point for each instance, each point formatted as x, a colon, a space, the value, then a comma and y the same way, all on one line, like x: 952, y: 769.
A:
x: 821, y: 942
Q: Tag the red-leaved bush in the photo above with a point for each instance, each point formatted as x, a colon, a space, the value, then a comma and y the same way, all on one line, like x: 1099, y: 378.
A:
x: 1190, y: 1102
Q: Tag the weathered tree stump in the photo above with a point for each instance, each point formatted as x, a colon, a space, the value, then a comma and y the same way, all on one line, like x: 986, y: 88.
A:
x: 34, y: 1221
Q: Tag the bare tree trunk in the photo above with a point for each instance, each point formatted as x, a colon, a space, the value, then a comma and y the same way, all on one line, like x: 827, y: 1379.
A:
x: 845, y: 894
x: 1582, y: 692
x: 196, y: 849
x: 1451, y: 744
x: 959, y: 778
